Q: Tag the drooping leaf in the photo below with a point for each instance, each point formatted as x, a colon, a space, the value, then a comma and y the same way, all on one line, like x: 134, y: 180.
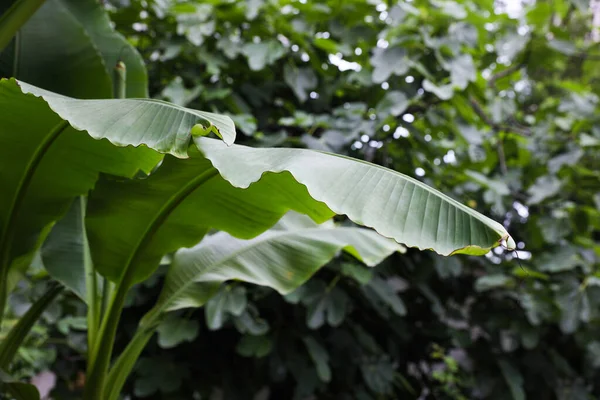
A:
x: 281, y: 258
x: 159, y: 125
x: 395, y: 205
x: 64, y: 251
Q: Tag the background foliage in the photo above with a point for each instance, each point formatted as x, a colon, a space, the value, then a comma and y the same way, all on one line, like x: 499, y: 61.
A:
x: 498, y: 110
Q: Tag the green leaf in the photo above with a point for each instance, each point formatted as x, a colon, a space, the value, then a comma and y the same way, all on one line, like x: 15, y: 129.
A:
x: 175, y: 330
x: 393, y: 103
x: 327, y: 306
x: 112, y: 45
x: 385, y: 294
x: 301, y: 80
x: 250, y: 323
x: 444, y: 92
x: 544, y: 187
x: 513, y: 378
x: 158, y: 375
x: 65, y: 325
x: 320, y: 357
x: 281, y: 259
x: 564, y: 258
x: 378, y: 375
x: 494, y: 281
x: 214, y: 312
x: 254, y: 346
x: 46, y: 164
x: 395, y: 205
x: 388, y: 62
x: 357, y: 272
x: 262, y: 54
x: 45, y: 55
x: 18, y: 390
x: 162, y: 126
x: 13, y: 17
x: 64, y: 251
x: 462, y: 71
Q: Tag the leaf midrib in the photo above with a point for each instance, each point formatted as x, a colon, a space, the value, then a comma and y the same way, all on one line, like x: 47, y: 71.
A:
x: 160, y: 217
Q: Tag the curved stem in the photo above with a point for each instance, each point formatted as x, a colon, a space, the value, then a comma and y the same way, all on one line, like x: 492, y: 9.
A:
x: 101, y: 354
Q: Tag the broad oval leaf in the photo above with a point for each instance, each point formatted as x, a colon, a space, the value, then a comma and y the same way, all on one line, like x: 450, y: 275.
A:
x: 162, y: 126
x: 282, y: 258
x: 395, y: 205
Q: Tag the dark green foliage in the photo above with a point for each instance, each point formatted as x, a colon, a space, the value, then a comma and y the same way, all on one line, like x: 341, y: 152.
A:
x: 499, y: 112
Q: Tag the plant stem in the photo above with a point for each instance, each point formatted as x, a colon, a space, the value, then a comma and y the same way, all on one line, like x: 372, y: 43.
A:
x: 126, y: 361
x: 15, y: 17
x: 99, y: 357
x: 91, y: 284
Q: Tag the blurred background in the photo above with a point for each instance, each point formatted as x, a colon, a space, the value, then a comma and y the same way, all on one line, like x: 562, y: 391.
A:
x: 495, y: 103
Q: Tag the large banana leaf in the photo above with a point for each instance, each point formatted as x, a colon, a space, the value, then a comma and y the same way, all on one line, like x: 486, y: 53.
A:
x: 244, y: 191
x: 132, y: 224
x: 395, y: 205
x: 69, y: 46
x: 162, y: 126
x: 283, y: 258
x: 45, y: 161
x: 44, y: 164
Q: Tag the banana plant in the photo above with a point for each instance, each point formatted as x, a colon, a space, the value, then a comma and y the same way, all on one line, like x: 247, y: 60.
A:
x: 202, y: 184
x: 104, y: 188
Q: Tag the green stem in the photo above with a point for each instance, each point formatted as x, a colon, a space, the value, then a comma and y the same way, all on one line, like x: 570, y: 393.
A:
x: 120, y: 81
x: 8, y: 230
x: 101, y: 354
x: 99, y: 357
x: 91, y: 284
x: 15, y: 17
x: 126, y: 361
